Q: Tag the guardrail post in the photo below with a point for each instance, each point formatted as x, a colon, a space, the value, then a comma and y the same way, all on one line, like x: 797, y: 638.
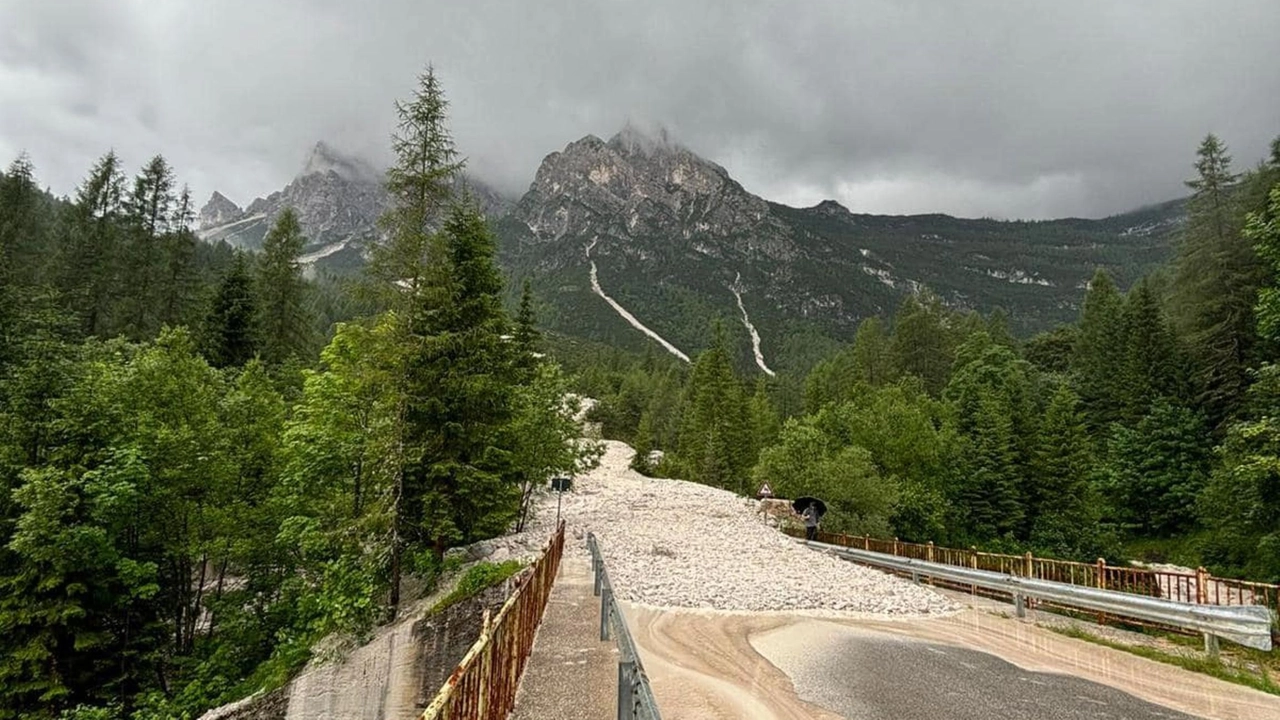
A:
x: 1211, y: 645
x: 1101, y: 582
x: 626, y: 689
x: 1020, y: 605
x: 599, y: 577
x: 605, y: 596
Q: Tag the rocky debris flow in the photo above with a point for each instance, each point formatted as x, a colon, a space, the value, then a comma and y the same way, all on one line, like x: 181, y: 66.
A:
x: 676, y: 544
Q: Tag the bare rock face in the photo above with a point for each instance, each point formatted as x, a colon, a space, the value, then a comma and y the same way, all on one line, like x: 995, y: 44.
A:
x: 218, y: 211
x: 636, y: 187
x: 338, y: 198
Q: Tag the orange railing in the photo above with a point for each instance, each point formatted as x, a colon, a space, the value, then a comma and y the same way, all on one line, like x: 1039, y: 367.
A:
x: 1193, y: 587
x: 483, y: 686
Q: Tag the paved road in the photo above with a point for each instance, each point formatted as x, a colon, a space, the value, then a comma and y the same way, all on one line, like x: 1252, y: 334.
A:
x: 869, y: 677
x: 716, y: 666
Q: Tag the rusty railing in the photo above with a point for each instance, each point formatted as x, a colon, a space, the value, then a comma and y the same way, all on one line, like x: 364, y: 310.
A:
x: 1198, y: 587
x: 483, y: 686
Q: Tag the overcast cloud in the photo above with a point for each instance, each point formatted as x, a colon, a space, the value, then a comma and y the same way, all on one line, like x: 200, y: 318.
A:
x: 1016, y: 108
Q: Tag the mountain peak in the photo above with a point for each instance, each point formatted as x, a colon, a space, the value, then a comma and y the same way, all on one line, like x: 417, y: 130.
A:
x: 632, y: 139
x: 218, y: 211
x: 324, y: 159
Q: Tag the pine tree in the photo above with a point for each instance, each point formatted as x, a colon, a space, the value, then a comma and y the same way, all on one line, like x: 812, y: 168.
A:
x: 285, y: 325
x: 1216, y: 283
x: 1100, y: 351
x: 643, y: 444
x: 21, y: 224
x: 527, y: 339
x: 421, y: 187
x: 1152, y: 366
x: 1157, y: 469
x: 177, y: 283
x: 149, y: 209
x: 410, y: 272
x: 459, y: 483
x: 714, y: 437
x: 991, y: 505
x: 231, y: 332
x: 764, y: 420
x: 1062, y: 511
x: 922, y: 343
x: 92, y: 252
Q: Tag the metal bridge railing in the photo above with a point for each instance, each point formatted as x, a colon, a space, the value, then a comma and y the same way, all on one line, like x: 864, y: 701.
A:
x: 1248, y: 625
x: 635, y: 697
x: 1198, y: 587
x: 483, y: 686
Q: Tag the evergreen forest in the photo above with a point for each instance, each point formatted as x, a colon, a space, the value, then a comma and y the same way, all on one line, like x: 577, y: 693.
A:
x: 210, y: 460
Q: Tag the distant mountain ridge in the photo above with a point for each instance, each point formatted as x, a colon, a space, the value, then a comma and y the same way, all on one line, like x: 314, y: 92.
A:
x: 677, y: 244
x: 338, y: 198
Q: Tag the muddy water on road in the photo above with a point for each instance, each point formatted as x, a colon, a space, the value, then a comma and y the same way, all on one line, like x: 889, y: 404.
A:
x: 714, y: 666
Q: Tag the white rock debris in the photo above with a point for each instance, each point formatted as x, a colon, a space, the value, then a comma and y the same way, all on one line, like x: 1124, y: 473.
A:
x: 626, y: 315
x: 755, y: 336
x: 676, y: 544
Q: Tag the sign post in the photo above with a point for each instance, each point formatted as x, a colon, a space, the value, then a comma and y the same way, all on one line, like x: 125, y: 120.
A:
x: 560, y: 484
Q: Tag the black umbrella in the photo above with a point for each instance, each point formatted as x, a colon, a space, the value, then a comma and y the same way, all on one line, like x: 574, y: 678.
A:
x: 799, y: 505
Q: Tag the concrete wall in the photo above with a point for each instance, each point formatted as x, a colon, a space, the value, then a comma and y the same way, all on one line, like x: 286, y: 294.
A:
x: 392, y: 677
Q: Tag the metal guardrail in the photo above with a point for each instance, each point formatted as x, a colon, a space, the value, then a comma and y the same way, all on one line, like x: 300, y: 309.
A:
x: 483, y: 686
x: 1248, y: 625
x: 635, y: 697
x: 1196, y: 586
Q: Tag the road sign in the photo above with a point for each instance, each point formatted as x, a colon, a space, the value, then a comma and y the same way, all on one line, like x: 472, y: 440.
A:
x: 561, y: 484
x: 765, y: 491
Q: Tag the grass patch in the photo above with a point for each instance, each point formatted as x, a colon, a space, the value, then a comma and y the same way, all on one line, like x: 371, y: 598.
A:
x: 477, y: 579
x: 1208, y: 666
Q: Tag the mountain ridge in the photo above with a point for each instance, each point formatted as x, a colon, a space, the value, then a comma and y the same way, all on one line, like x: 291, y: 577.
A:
x: 679, y: 244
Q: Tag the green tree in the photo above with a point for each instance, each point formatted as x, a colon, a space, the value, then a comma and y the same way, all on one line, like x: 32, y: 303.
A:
x: 990, y: 501
x: 923, y: 344
x: 1156, y: 470
x: 421, y: 186
x: 526, y: 336
x: 809, y: 461
x: 1241, y: 504
x: 149, y: 210
x: 283, y: 318
x: 231, y: 331
x: 1063, y: 508
x: 460, y: 482
x: 1216, y: 284
x: 92, y: 254
x: 1152, y: 363
x: 714, y: 443
x: 1263, y: 230
x: 1100, y: 352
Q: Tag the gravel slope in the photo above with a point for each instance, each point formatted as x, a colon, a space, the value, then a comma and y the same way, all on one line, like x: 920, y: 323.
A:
x: 676, y: 544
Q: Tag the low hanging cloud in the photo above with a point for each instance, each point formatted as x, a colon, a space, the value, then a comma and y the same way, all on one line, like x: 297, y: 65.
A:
x: 983, y: 108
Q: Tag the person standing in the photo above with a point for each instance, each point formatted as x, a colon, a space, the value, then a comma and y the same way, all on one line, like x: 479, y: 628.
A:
x: 810, y: 516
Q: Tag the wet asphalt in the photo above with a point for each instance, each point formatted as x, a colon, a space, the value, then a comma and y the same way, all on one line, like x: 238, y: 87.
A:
x: 875, y: 678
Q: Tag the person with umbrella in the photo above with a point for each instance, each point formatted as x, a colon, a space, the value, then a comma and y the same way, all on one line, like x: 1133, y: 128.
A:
x: 812, y: 510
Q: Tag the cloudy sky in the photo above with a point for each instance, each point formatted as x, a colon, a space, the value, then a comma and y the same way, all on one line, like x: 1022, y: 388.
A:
x: 1013, y: 108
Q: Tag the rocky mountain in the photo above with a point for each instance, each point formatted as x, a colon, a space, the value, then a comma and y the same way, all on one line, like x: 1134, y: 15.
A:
x: 641, y: 243
x: 637, y: 241
x: 338, y: 199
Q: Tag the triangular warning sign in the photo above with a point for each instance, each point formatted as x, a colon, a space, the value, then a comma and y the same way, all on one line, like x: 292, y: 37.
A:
x: 765, y: 491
